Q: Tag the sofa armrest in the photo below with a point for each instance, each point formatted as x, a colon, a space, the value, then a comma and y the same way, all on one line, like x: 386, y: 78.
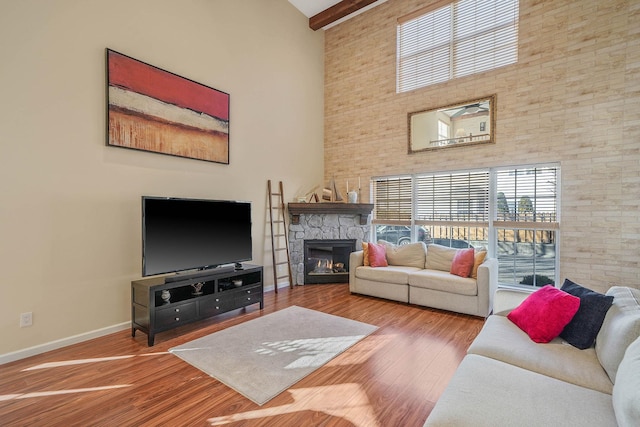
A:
x: 487, y: 283
x: 356, y: 259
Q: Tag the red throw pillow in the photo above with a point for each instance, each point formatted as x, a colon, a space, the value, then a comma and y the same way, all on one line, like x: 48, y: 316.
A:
x: 377, y: 255
x: 545, y: 313
x: 463, y: 262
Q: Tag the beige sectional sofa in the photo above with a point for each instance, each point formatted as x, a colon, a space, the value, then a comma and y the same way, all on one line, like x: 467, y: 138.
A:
x: 506, y: 379
x: 419, y: 274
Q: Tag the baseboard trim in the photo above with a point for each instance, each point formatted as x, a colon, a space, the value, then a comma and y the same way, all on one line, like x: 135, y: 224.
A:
x: 54, y: 345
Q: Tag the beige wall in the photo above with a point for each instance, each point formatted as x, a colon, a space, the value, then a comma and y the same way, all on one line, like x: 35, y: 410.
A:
x: 70, y: 206
x: 572, y: 98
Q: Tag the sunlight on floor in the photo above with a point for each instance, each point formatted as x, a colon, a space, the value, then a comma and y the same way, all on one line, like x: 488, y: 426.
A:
x: 363, y: 351
x: 85, y: 361
x: 59, y: 392
x: 331, y: 400
x: 313, y: 352
x: 63, y: 363
x: 346, y: 401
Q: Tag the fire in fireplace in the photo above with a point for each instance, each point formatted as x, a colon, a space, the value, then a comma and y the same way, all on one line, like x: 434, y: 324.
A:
x: 327, y: 261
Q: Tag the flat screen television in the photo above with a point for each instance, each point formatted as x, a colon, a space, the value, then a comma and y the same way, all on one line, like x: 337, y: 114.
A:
x: 181, y: 234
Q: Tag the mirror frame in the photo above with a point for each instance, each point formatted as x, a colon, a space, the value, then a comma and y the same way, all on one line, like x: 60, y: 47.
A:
x: 456, y: 142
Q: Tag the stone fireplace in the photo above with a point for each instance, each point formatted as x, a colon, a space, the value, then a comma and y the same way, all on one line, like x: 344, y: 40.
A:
x: 322, y: 225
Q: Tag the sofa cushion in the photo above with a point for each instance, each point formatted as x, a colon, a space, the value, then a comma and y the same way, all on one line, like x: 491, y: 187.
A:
x: 398, y: 275
x: 410, y: 255
x: 443, y: 281
x: 488, y: 393
x: 377, y: 255
x: 620, y: 328
x: 545, y: 313
x: 478, y: 259
x: 582, y: 329
x: 439, y: 257
x: 626, y: 392
x: 462, y: 263
x: 500, y: 339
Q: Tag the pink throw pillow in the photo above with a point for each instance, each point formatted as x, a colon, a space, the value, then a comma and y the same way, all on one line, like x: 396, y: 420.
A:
x: 377, y: 255
x: 545, y: 313
x: 463, y: 262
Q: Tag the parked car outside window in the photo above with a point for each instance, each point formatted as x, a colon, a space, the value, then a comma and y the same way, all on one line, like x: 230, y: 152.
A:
x: 400, y: 234
x: 453, y: 243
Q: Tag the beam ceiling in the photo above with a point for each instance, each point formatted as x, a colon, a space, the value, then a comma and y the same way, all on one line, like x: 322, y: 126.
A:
x: 336, y: 12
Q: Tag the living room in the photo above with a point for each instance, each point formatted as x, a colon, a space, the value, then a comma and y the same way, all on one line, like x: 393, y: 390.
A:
x: 306, y: 107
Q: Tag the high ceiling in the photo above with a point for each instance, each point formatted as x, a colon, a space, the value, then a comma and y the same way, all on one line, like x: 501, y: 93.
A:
x: 327, y: 13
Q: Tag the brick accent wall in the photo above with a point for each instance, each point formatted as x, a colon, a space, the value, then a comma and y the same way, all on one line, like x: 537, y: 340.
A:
x: 573, y: 97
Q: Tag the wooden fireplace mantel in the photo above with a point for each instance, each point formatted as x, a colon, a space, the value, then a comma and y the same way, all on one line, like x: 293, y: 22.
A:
x: 361, y: 209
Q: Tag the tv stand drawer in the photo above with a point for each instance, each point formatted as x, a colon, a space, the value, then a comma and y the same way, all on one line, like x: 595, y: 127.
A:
x: 176, y: 315
x: 213, y: 306
x: 248, y: 296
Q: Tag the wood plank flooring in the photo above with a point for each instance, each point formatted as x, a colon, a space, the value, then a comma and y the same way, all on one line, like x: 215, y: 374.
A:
x: 391, y: 378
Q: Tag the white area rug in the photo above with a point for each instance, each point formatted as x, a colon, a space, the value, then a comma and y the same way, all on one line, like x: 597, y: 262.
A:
x: 265, y: 356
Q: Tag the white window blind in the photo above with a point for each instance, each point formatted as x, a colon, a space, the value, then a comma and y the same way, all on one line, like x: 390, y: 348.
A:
x: 460, y: 38
x: 392, y: 200
x: 454, y: 198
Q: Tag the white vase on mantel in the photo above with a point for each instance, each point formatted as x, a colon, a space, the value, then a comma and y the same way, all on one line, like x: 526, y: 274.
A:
x: 352, y: 196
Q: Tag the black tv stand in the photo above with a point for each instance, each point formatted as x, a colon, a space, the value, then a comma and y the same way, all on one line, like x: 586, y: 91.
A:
x: 158, y: 305
x: 238, y: 266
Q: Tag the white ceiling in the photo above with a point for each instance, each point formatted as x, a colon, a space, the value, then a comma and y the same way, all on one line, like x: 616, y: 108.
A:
x: 311, y: 8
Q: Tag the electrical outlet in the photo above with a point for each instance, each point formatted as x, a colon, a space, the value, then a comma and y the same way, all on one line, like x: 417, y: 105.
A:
x: 26, y: 319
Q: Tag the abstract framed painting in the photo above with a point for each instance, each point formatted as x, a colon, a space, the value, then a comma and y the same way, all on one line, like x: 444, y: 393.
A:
x: 151, y: 109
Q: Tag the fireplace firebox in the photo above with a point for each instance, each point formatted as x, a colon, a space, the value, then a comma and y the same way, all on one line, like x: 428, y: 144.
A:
x: 327, y: 261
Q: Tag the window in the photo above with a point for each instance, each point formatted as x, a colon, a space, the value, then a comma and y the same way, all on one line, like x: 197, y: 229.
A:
x: 461, y: 38
x: 511, y: 212
x: 526, y: 222
x: 454, y: 208
x: 443, y: 130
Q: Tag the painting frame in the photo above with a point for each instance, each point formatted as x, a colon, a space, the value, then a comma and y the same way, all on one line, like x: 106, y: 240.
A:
x: 155, y: 110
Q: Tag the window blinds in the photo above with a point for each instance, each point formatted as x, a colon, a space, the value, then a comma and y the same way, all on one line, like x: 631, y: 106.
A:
x: 460, y: 38
x: 392, y: 200
x: 454, y: 198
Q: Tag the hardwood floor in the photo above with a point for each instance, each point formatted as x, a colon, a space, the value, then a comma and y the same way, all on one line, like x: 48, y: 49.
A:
x: 391, y: 378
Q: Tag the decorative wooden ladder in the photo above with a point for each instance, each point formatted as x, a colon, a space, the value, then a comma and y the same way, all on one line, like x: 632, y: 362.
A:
x: 279, y: 233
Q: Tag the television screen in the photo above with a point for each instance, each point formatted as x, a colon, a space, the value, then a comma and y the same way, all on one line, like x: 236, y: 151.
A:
x: 188, y: 234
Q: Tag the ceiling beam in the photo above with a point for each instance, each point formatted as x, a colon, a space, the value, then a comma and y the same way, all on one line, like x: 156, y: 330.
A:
x: 337, y: 11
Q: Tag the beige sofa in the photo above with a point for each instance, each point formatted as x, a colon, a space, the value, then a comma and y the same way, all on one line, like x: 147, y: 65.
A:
x: 419, y: 274
x: 506, y: 379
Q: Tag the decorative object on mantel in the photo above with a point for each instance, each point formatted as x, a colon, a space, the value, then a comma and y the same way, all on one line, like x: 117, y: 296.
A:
x: 151, y: 109
x: 353, y: 195
x: 331, y: 193
x: 361, y: 209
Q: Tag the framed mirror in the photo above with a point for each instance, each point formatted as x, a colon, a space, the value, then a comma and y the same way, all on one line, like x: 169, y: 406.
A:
x: 464, y: 123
